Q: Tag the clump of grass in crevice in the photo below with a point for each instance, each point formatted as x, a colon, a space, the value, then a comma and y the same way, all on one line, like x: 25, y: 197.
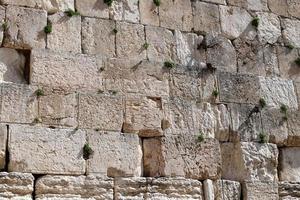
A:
x: 262, y: 103
x: 215, y: 93
x: 290, y: 46
x: 284, y: 111
x: 108, y: 2
x: 48, y: 28
x: 156, y: 2
x: 39, y: 92
x: 200, y: 137
x: 115, y: 31
x: 71, y: 13
x: 263, y: 138
x: 146, y: 45
x: 87, y: 151
x: 5, y: 26
x: 169, y: 64
x: 255, y: 22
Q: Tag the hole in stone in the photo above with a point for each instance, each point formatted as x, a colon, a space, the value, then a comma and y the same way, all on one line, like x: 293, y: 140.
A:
x: 15, y: 65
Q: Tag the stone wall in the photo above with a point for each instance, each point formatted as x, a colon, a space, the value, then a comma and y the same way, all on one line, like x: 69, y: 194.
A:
x: 143, y: 99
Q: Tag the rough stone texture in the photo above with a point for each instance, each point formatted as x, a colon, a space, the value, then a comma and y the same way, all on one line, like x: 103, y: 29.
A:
x: 2, y: 19
x: 98, y: 37
x: 73, y: 187
x: 26, y: 28
x: 85, y: 71
x: 279, y: 7
x: 16, y: 186
x: 290, y: 32
x: 176, y: 14
x: 3, y: 141
x: 255, y: 5
x: 225, y: 190
x: 289, y: 190
x: 289, y: 164
x: 115, y: 154
x: 260, y: 190
x: 66, y: 33
x: 269, y: 28
x: 12, y: 66
x: 287, y: 65
x: 58, y: 109
x: 208, y: 187
x: 182, y: 156
x: 250, y: 162
x: 294, y: 128
x: 206, y: 17
x: 158, y: 188
x: 234, y: 21
x: 18, y: 103
x: 93, y: 8
x: 133, y: 33
x: 100, y: 112
x: 127, y: 10
x: 149, y: 13
x: 293, y: 8
x: 51, y: 151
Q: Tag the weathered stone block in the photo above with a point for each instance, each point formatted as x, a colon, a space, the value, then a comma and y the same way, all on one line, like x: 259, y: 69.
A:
x: 206, y: 17
x: 131, y: 188
x: 100, y: 112
x: 290, y: 32
x: 2, y: 18
x: 16, y: 186
x: 3, y: 141
x: 115, y: 154
x: 293, y: 8
x: 294, y: 128
x: 26, y: 28
x: 73, y: 187
x: 289, y: 164
x: 176, y: 14
x: 149, y: 13
x: 249, y: 162
x: 93, y: 8
x: 182, y: 156
x: 136, y: 35
x: 59, y: 109
x: 68, y: 72
x: 255, y: 5
x: 260, y: 190
x: 268, y: 29
x: 43, y: 150
x: 98, y: 37
x: 208, y: 187
x: 225, y: 189
x: 66, y: 33
x: 286, y: 59
x: 289, y: 190
x: 279, y: 7
x: 127, y: 10
x: 18, y: 103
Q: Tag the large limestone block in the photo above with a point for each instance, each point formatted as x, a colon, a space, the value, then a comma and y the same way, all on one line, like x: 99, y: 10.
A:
x: 18, y: 186
x: 127, y: 10
x: 100, y: 112
x: 239, y: 88
x: 149, y: 13
x: 279, y: 7
x: 73, y: 187
x: 255, y: 5
x: 206, y: 17
x: 136, y: 35
x: 56, y: 109
x: 260, y: 190
x: 115, y: 154
x: 93, y: 8
x: 42, y: 150
x: 66, y: 71
x: 66, y: 33
x: 18, y: 103
x: 158, y: 188
x: 3, y: 141
x: 98, y: 37
x: 286, y: 60
x: 162, y: 44
x: 289, y: 164
x: 289, y: 190
x: 294, y: 128
x: 277, y: 92
x: 269, y: 29
x: 26, y: 28
x: 176, y: 14
x: 290, y: 31
x: 208, y: 187
x: 136, y: 77
x: 225, y: 190
x: 182, y: 156
x: 293, y: 8
x: 12, y: 66
x: 234, y: 21
x: 249, y: 162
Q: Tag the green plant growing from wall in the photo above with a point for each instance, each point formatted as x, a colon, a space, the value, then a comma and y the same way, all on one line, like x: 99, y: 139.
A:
x: 108, y: 2
x: 215, y: 93
x: 87, y: 151
x: 146, y: 45
x: 255, y: 22
x: 48, y: 28
x: 5, y: 26
x: 200, y: 137
x: 262, y: 103
x: 115, y: 31
x: 263, y: 138
x: 284, y: 111
x: 169, y: 64
x: 71, y: 13
x: 37, y: 120
x: 290, y: 46
x: 39, y: 92
x: 156, y: 2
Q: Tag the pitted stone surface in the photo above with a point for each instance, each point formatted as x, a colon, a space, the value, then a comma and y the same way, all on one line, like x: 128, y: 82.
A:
x: 269, y: 28
x: 3, y: 142
x: 93, y: 8
x: 127, y: 10
x: 260, y: 190
x: 289, y: 190
x: 290, y: 33
x: 225, y: 189
x: 289, y: 164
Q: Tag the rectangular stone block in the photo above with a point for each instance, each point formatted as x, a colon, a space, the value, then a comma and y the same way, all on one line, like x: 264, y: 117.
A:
x: 260, y: 190
x: 227, y: 190
x: 127, y: 10
x: 289, y: 164
x: 289, y: 190
x: 93, y: 8
x: 286, y: 60
x: 249, y: 162
x: 66, y: 71
x: 290, y: 33
x: 73, y: 187
x: 25, y: 28
x: 255, y: 5
x: 182, y: 156
x: 115, y: 154
x: 100, y: 112
x: 18, y: 103
x: 40, y: 150
x: 16, y: 185
x: 3, y: 141
x: 149, y: 13
x: 294, y: 128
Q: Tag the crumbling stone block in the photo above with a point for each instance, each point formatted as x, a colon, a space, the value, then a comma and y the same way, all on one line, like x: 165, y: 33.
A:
x: 260, y: 190
x: 127, y: 10
x: 268, y: 29
x: 290, y: 32
x: 93, y: 8
x: 289, y: 190
x: 293, y: 8
x: 226, y: 189
x: 289, y: 164
x: 287, y: 65
x: 149, y: 13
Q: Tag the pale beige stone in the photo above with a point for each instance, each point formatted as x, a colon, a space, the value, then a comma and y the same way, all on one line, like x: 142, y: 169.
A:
x: 182, y: 156
x: 3, y: 141
x: 126, y: 10
x: 293, y: 8
x: 66, y: 33
x: 18, y: 186
x: 206, y: 17
x: 162, y: 44
x: 149, y: 13
x: 260, y: 190
x: 216, y: 1
x: 93, y: 8
x: 26, y: 28
x: 289, y: 164
x: 294, y: 128
x: 83, y: 71
x: 136, y: 35
x: 98, y: 37
x: 249, y: 162
x: 73, y: 187
x: 176, y: 14
x: 255, y: 5
x: 208, y: 188
x: 269, y: 29
x: 290, y: 32
x: 271, y: 61
x: 289, y: 190
x: 40, y: 150
x: 2, y: 20
x: 18, y: 103
x: 287, y: 65
x: 115, y: 154
x: 279, y: 7
x: 100, y: 112
x: 226, y: 189
x: 58, y: 109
